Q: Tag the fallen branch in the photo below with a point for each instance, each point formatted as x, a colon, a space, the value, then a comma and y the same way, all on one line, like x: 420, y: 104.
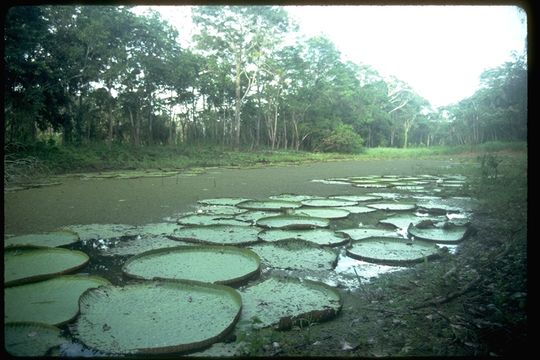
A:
x: 450, y: 296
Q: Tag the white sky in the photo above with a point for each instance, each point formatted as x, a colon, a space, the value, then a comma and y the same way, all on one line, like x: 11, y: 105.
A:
x: 439, y: 50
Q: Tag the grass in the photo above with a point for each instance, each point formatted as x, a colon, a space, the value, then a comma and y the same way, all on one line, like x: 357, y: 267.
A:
x: 99, y: 157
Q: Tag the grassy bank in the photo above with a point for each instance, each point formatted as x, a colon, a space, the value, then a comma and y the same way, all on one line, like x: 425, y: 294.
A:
x: 42, y: 158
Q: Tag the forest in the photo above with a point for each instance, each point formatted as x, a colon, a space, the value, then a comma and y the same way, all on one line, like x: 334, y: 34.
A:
x: 102, y: 74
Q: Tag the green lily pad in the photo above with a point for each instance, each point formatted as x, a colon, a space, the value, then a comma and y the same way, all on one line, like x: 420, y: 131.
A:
x: 387, y: 196
x: 296, y: 255
x: 402, y: 221
x: 23, y: 265
x: 276, y: 205
x: 253, y: 216
x: 141, y: 244
x: 292, y: 197
x: 370, y: 185
x: 165, y: 228
x: 224, y: 210
x: 448, y: 234
x: 31, y: 338
x: 393, y: 206
x: 207, y: 220
x: 157, y: 317
x: 363, y: 233
x: 218, y: 234
x: 358, y: 209
x: 51, y: 239
x: 292, y: 222
x: 212, y: 264
x: 392, y: 251
x: 356, y: 198
x: 328, y: 202
x: 326, y: 213
x: 322, y: 237
x: 53, y: 301
x: 289, y: 301
x: 102, y: 231
x: 223, y: 201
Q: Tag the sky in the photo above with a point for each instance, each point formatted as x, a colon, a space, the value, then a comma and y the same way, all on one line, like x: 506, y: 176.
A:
x: 440, y: 51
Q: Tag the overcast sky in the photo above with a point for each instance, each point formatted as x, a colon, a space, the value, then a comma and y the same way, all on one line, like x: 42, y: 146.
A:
x: 439, y: 50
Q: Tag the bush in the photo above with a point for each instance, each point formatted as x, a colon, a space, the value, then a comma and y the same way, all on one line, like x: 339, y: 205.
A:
x: 342, y: 140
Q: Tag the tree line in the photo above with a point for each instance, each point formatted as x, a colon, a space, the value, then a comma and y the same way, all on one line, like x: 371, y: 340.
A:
x: 104, y: 74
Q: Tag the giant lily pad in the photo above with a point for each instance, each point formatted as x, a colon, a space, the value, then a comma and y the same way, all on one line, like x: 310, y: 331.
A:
x: 289, y: 301
x: 53, y: 301
x: 253, y: 216
x: 218, y: 234
x: 102, y: 231
x: 296, y: 255
x: 447, y: 234
x: 213, y: 264
x: 363, y: 233
x: 403, y: 221
x: 222, y: 201
x: 393, y: 206
x: 31, y: 338
x: 392, y: 251
x: 293, y: 222
x: 141, y: 244
x: 370, y: 185
x: 356, y: 198
x: 358, y: 209
x: 292, y: 197
x: 317, y: 236
x: 51, y: 239
x: 157, y: 316
x: 165, y: 228
x: 270, y: 205
x: 223, y: 210
x: 207, y: 220
x: 326, y: 213
x: 22, y: 265
x: 328, y: 202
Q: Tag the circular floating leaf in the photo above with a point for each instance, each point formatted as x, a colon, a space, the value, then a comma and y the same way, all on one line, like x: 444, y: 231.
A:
x: 289, y: 301
x: 208, y: 220
x: 165, y: 228
x: 270, y: 205
x: 392, y: 251
x: 296, y: 255
x: 370, y: 185
x: 403, y: 221
x: 326, y: 213
x: 212, y: 264
x: 50, y: 239
x: 393, y: 206
x: 141, y: 244
x: 102, y: 231
x: 223, y: 210
x: 223, y: 201
x: 53, y: 301
x: 363, y: 233
x: 448, y: 234
x: 328, y: 202
x: 157, y: 316
x: 292, y: 222
x: 387, y: 196
x: 292, y: 197
x: 253, y: 216
x: 23, y: 265
x: 31, y: 338
x: 218, y: 234
x: 356, y: 198
x: 331, y: 182
x: 358, y: 209
x: 317, y: 236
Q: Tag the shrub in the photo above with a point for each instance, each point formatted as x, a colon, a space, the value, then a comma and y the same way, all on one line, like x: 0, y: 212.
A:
x: 342, y: 140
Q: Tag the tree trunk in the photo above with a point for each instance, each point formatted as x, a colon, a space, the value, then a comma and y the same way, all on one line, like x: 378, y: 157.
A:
x: 111, y: 125
x: 238, y: 104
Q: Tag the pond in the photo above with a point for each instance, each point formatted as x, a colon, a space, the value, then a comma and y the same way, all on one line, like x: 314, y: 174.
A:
x: 310, y: 252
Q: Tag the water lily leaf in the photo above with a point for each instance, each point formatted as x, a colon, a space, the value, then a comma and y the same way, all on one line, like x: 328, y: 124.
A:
x: 102, y: 231
x: 296, y: 255
x: 51, y: 239
x: 292, y: 197
x: 157, y: 316
x: 53, y: 301
x: 31, y: 338
x: 212, y: 264
x: 323, y: 237
x: 218, y: 234
x: 392, y: 251
x: 140, y: 244
x: 276, y: 205
x: 370, y: 185
x: 23, y: 265
x: 164, y: 228
x: 358, y: 209
x: 327, y: 213
x: 292, y: 222
x: 402, y: 221
x: 207, y: 220
x: 393, y: 206
x: 356, y: 198
x: 224, y: 210
x: 387, y: 196
x: 445, y: 235
x: 363, y: 233
x: 328, y: 202
x: 222, y: 201
x: 331, y: 182
x: 289, y: 301
x: 253, y: 216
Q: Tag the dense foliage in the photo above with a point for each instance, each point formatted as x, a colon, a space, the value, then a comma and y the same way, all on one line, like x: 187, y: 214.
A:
x: 87, y: 74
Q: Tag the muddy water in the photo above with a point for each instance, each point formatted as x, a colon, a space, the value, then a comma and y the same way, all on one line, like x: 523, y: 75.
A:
x: 146, y: 200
